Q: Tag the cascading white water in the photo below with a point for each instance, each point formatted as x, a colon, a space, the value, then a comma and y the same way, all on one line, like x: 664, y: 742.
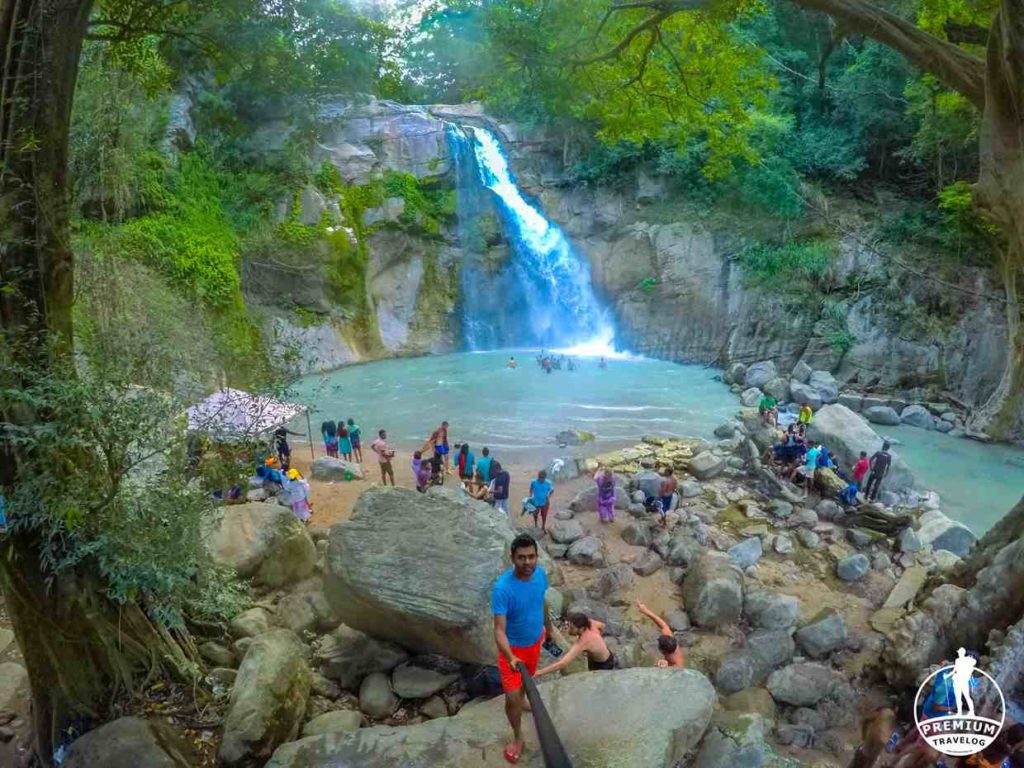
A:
x: 542, y: 296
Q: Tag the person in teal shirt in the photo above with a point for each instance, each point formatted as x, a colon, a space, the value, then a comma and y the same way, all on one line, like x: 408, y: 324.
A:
x: 483, y: 464
x: 540, y: 497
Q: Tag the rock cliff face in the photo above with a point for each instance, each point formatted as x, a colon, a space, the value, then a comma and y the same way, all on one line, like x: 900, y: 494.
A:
x: 678, y: 292
x: 670, y: 277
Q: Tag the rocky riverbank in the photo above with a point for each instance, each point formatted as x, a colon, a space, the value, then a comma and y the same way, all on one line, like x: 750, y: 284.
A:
x: 372, y: 637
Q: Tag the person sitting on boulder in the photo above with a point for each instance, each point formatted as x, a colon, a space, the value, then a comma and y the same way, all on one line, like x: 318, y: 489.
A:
x: 806, y: 414
x: 768, y: 409
x: 672, y: 654
x: 587, y: 632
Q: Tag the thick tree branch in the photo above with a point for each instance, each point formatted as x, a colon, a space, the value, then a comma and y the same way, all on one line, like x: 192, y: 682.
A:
x: 954, y: 67
x: 957, y: 69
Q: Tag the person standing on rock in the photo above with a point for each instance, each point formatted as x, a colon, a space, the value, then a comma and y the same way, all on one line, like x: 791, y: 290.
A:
x: 540, y: 497
x: 329, y: 431
x: 521, y: 622
x: 671, y: 653
x: 501, y: 481
x: 768, y: 409
x: 605, y: 482
x: 880, y: 464
x: 384, y: 456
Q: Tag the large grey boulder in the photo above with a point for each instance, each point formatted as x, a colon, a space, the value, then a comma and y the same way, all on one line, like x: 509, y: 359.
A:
x: 940, y: 532
x: 261, y: 541
x: 328, y: 469
x: 376, y: 698
x: 853, y: 567
x: 882, y: 414
x: 778, y: 388
x: 713, y: 591
x: 917, y: 416
x: 847, y: 434
x: 747, y: 552
x: 412, y: 682
x: 768, y: 610
x: 805, y: 394
x: 706, y: 465
x: 335, y: 721
x: 823, y: 634
x: 638, y: 534
x: 128, y: 742
x: 734, y: 374
x: 649, y: 481
x: 348, y: 655
x: 565, y: 531
x: 801, y: 372
x: 667, y: 714
x: 736, y: 739
x: 750, y: 397
x: 759, y: 374
x: 268, y: 701
x: 586, y: 551
x: 803, y: 684
x: 250, y: 623
x: 613, y: 582
x: 825, y: 384
x: 766, y: 649
x: 380, y: 580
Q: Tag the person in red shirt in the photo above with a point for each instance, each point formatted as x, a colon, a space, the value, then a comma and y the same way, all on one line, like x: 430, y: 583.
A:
x: 860, y: 469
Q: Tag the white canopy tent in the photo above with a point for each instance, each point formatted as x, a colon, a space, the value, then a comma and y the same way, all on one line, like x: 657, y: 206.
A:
x: 231, y: 414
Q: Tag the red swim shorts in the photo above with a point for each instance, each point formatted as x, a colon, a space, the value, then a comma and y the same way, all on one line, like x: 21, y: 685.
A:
x: 512, y: 680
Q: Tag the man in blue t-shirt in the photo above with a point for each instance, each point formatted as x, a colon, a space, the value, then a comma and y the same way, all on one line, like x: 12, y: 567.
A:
x: 521, y: 621
x: 540, y: 498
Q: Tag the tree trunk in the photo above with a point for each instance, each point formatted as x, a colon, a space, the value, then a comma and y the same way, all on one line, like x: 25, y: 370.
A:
x: 1000, y: 192
x: 79, y: 648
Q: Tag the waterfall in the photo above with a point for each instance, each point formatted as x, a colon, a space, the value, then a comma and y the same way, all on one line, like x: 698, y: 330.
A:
x: 539, y: 293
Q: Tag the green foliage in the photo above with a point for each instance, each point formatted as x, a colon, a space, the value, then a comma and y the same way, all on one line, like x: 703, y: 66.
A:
x: 787, y: 266
x: 189, y: 239
x: 106, y: 486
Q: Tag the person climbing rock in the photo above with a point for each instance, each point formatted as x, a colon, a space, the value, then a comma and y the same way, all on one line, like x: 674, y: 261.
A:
x: 880, y: 464
x: 587, y: 632
x: 540, y: 497
x: 521, y: 622
x: 671, y: 653
x: 666, y: 492
x: 384, y: 456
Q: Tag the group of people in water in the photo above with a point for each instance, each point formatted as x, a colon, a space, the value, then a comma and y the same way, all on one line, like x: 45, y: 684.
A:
x: 798, y: 458
x: 549, y: 362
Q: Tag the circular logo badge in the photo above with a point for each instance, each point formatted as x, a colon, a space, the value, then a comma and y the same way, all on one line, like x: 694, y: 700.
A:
x: 944, y: 708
